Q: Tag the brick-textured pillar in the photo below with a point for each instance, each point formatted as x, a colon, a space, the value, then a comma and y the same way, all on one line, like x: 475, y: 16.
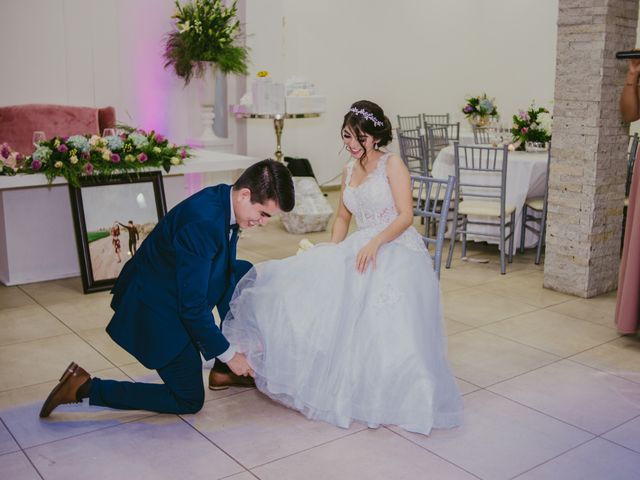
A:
x: 588, y: 167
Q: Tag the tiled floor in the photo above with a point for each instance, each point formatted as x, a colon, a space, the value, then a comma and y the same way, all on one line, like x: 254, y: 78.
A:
x: 550, y: 392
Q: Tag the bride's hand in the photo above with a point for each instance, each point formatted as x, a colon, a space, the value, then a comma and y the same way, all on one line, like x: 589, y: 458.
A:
x: 367, y: 255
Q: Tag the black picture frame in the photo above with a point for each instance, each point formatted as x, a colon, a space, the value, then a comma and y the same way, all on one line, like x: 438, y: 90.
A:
x: 107, y: 212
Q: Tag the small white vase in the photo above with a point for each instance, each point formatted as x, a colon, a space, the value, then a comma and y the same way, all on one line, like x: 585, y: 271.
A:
x: 207, y: 96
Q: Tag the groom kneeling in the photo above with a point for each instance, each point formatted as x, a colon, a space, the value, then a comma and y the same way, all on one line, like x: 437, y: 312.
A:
x: 164, y: 297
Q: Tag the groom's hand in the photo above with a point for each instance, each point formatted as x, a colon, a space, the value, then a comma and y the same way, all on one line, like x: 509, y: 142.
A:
x: 240, y: 366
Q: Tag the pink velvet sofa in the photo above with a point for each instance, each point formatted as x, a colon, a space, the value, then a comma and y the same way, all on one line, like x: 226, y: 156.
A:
x: 18, y: 122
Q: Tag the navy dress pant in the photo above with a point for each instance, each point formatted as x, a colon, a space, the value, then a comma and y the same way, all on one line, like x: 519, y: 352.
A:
x: 182, y: 391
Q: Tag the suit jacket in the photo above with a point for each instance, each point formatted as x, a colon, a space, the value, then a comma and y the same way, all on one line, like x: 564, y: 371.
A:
x: 165, y: 294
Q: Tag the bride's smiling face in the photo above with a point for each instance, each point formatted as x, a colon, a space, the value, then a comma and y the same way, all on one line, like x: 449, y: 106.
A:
x: 355, y: 143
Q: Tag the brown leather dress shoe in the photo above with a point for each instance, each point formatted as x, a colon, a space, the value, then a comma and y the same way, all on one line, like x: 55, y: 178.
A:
x: 219, y: 380
x: 67, y: 389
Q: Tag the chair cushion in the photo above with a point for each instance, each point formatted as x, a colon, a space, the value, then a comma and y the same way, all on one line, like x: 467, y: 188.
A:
x: 483, y: 207
x: 537, y: 203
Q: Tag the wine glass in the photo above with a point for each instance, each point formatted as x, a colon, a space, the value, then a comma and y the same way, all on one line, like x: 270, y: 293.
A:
x: 109, y: 132
x: 493, y: 129
x: 38, y: 136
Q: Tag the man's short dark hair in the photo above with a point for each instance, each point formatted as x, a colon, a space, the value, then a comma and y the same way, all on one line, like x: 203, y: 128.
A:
x: 268, y: 180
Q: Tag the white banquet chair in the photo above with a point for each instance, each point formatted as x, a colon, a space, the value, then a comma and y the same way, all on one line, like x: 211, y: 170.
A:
x: 413, y: 151
x: 453, y: 129
x: 409, y: 122
x: 481, y: 174
x: 534, y: 216
x: 432, y: 198
x: 437, y: 139
x: 435, y: 118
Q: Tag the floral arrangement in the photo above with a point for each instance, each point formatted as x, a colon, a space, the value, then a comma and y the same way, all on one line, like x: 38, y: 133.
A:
x: 205, y: 31
x: 85, y: 155
x: 9, y: 160
x: 480, y: 107
x: 533, y: 125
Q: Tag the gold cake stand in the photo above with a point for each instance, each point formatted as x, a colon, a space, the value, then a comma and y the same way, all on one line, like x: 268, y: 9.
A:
x: 278, y: 124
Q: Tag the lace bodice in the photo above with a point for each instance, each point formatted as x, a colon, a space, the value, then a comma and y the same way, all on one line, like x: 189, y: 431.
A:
x: 372, y: 205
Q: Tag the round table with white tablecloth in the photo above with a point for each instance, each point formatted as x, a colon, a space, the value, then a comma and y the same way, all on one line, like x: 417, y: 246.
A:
x: 526, y: 175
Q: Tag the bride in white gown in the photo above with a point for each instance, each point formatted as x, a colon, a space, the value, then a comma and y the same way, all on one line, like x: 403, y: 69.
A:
x: 352, y: 329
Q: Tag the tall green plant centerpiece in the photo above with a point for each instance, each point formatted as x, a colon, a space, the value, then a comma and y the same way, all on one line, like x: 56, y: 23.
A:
x: 206, y: 38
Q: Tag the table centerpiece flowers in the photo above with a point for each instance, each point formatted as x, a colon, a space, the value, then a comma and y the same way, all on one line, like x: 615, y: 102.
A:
x: 531, y: 129
x: 92, y: 155
x: 480, y: 110
x: 206, y: 32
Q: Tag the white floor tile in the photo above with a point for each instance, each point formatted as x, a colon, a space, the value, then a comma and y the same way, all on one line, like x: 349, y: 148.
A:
x: 466, y: 387
x: 477, y: 307
x: 273, y: 430
x: 157, y: 447
x: 552, y: 332
x: 370, y: 454
x: 16, y: 466
x: 45, y: 359
x: 86, y: 312
x: 579, y: 395
x: 65, y: 421
x: 600, y: 310
x: 12, y: 297
x: 242, y: 476
x: 55, y: 291
x: 27, y: 323
x: 596, y: 460
x: 499, y: 438
x: 525, y: 288
x: 43, y: 326
x: 619, y: 357
x: 99, y: 339
x: 483, y: 358
x: 627, y: 434
x: 7, y: 443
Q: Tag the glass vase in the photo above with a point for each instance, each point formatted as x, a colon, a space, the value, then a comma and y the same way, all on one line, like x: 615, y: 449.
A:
x: 536, y: 146
x: 479, y: 120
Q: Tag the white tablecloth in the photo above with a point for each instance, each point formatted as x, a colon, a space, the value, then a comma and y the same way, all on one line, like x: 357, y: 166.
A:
x: 526, y: 173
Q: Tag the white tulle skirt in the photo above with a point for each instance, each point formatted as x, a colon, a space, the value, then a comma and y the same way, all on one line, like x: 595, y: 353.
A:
x: 340, y: 346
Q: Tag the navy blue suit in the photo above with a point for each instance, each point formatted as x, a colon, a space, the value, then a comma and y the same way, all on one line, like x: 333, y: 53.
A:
x: 163, y: 302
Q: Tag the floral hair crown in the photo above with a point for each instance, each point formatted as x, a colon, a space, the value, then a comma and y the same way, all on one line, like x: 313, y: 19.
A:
x: 366, y: 115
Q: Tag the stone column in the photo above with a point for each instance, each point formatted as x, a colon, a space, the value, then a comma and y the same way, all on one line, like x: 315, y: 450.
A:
x: 588, y: 167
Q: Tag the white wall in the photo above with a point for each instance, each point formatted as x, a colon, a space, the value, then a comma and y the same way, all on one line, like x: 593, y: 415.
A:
x: 96, y: 53
x: 409, y: 56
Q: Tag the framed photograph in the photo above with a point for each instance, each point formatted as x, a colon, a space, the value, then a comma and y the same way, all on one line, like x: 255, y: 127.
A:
x: 112, y: 217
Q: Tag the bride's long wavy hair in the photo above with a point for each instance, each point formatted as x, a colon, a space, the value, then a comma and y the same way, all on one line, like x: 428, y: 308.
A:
x: 365, y: 117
